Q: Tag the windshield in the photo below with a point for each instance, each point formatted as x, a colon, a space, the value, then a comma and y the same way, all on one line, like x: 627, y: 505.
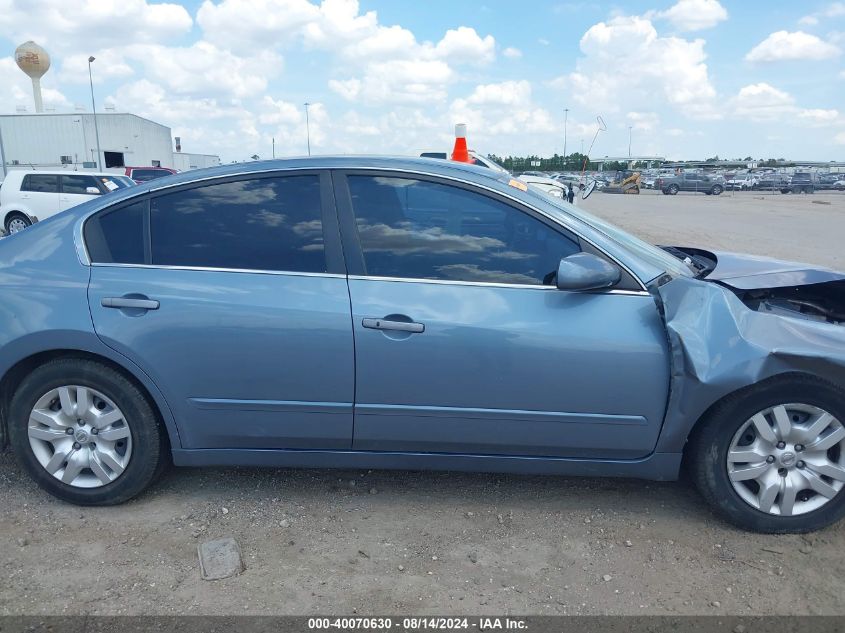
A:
x: 113, y: 183
x: 652, y: 254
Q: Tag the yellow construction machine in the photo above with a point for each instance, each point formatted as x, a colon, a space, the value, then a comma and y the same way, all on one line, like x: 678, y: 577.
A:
x: 625, y: 182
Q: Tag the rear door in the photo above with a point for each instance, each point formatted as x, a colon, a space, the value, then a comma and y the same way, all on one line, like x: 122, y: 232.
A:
x: 232, y: 296
x: 40, y: 194
x: 465, y: 345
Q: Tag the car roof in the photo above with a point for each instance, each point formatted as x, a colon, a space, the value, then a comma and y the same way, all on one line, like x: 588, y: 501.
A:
x: 59, y: 172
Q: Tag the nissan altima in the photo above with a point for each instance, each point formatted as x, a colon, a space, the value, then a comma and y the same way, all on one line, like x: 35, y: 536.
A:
x: 416, y: 314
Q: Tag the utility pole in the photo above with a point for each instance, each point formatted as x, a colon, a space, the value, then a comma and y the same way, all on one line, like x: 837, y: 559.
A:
x: 274, y: 147
x: 630, y: 127
x: 94, y: 108
x: 565, y: 120
x: 308, y: 128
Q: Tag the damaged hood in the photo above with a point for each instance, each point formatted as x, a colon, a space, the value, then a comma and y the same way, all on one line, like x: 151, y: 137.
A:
x: 752, y: 272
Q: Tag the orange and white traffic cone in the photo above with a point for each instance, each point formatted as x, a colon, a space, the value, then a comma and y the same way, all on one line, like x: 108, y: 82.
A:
x: 460, y: 152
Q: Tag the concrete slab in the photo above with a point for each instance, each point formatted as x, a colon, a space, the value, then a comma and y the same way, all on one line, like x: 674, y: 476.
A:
x: 220, y: 559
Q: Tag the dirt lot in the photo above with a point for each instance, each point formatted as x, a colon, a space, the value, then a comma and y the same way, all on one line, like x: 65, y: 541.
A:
x: 406, y: 542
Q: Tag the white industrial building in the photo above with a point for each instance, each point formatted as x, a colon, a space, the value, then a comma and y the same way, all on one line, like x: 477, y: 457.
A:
x: 69, y: 140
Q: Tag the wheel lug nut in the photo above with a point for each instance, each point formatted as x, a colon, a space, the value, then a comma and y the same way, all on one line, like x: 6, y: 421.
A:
x: 800, y: 464
x: 77, y: 446
x: 69, y: 431
x: 770, y: 459
x: 799, y: 447
x: 781, y: 444
x: 94, y: 431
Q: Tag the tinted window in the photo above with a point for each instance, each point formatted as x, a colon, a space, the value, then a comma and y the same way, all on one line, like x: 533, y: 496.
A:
x: 117, y: 237
x: 149, y: 174
x: 419, y: 229
x: 78, y: 184
x: 41, y: 183
x: 261, y: 224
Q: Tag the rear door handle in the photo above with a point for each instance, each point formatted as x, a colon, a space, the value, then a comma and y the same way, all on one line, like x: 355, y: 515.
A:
x: 127, y: 302
x: 399, y: 326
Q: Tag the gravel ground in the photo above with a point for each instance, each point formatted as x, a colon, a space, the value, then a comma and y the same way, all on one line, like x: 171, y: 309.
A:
x: 409, y: 543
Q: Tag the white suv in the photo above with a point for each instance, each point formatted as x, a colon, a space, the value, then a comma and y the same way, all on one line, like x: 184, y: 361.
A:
x: 28, y: 196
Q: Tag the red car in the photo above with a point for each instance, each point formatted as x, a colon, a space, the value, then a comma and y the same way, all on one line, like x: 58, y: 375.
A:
x: 143, y: 174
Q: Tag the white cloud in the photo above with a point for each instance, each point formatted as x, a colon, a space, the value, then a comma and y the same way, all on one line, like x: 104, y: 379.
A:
x: 240, y: 23
x: 511, y: 93
x: 694, y: 15
x: 833, y: 10
x: 797, y: 45
x: 465, y: 45
x: 512, y: 53
x: 543, y: 41
x: 644, y: 121
x: 676, y: 72
x: 839, y: 139
x: 763, y: 102
x: 64, y: 26
x: 16, y: 90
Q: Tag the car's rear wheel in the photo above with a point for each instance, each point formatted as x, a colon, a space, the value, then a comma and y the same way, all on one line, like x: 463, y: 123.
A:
x: 673, y: 190
x: 85, y: 433
x: 17, y: 222
x: 771, y: 458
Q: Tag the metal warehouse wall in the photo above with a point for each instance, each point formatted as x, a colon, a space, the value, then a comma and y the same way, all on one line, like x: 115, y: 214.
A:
x: 183, y: 161
x: 41, y: 139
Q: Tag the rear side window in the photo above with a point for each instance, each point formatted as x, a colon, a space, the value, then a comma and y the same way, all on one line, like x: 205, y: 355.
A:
x: 424, y: 230
x: 117, y: 237
x: 144, y: 175
x: 259, y: 224
x: 79, y: 184
x: 40, y: 183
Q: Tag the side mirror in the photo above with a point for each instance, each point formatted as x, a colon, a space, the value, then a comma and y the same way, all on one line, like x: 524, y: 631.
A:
x: 92, y: 190
x: 585, y: 193
x: 585, y: 271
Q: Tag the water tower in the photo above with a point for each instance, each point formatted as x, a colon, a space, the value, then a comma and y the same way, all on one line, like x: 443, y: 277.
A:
x: 34, y: 61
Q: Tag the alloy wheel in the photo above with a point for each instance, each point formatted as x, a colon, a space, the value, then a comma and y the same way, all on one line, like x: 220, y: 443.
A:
x: 17, y: 224
x: 80, y: 436
x: 788, y: 459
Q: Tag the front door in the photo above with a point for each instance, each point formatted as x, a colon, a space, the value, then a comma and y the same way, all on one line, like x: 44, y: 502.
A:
x: 76, y: 189
x: 463, y: 345
x: 233, y: 298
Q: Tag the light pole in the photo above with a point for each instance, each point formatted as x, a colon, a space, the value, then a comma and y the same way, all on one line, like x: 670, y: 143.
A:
x: 565, y: 120
x: 2, y: 154
x: 308, y: 128
x: 94, y: 108
x: 630, y: 127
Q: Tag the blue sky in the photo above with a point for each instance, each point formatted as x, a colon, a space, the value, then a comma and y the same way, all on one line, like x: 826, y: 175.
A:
x: 690, y: 78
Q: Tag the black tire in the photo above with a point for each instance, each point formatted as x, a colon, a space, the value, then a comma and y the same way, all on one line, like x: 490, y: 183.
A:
x: 706, y: 452
x: 149, y: 458
x: 672, y: 190
x: 16, y: 215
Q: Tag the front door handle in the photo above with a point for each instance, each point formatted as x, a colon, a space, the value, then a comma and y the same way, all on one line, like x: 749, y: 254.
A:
x: 128, y: 302
x: 398, y: 326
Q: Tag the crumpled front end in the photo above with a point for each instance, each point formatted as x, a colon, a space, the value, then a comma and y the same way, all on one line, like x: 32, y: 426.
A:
x: 719, y: 344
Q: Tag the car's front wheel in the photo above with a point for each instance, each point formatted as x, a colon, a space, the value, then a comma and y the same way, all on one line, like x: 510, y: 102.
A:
x: 85, y: 433
x: 771, y: 458
x: 717, y: 190
x: 673, y: 190
x: 17, y: 222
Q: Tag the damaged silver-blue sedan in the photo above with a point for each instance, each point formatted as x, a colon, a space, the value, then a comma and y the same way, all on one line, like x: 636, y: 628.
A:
x: 417, y: 314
